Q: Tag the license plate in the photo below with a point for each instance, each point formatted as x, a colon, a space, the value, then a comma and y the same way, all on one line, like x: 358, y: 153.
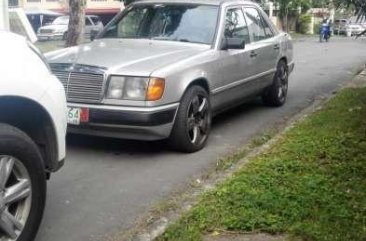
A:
x: 73, y: 116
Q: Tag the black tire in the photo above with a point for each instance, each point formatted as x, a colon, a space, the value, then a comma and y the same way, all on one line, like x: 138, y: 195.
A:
x: 193, y: 121
x: 276, y: 94
x: 15, y: 143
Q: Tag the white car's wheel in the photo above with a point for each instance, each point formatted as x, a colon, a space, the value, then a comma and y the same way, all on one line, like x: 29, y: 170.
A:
x: 22, y: 186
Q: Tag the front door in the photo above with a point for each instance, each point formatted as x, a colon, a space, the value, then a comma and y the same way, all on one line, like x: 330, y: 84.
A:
x: 236, y: 64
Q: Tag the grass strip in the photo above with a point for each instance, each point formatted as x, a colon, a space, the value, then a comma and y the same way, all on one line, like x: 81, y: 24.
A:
x: 311, y: 184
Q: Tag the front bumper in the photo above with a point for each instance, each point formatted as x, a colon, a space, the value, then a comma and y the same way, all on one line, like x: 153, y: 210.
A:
x: 139, y: 123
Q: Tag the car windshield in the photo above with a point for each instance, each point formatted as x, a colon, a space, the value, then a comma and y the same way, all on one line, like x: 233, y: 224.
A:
x: 64, y: 20
x: 185, y: 23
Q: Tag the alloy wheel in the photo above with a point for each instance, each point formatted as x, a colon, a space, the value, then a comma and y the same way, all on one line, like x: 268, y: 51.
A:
x: 198, y: 120
x: 283, y: 83
x: 15, y: 197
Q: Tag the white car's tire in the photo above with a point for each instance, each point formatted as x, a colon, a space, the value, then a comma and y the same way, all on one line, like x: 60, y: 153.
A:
x: 22, y: 185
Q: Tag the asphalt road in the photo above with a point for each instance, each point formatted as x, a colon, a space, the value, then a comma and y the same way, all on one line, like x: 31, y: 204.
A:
x: 106, y: 183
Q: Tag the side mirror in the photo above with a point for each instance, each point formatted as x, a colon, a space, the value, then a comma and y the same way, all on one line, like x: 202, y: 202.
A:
x: 232, y: 43
x: 93, y: 34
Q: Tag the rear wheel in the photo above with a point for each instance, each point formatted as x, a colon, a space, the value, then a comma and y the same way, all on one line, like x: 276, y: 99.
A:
x: 276, y: 94
x: 22, y: 185
x: 193, y: 121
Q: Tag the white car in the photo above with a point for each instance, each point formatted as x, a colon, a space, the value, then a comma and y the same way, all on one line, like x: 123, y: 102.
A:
x: 353, y: 29
x: 32, y: 135
x: 58, y: 28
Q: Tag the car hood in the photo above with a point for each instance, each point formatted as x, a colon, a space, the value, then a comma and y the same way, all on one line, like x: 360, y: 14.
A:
x: 54, y: 27
x: 126, y: 56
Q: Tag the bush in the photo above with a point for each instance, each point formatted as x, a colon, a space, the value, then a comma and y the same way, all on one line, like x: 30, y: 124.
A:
x: 317, y: 28
x: 304, y: 23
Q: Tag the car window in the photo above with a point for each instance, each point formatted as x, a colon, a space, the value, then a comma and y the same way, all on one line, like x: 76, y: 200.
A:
x: 96, y: 20
x: 255, y: 24
x: 235, y: 25
x: 267, y: 29
x: 166, y: 22
x: 87, y: 22
x: 63, y: 20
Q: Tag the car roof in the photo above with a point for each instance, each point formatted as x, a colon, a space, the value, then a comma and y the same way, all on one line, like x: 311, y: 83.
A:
x: 199, y: 2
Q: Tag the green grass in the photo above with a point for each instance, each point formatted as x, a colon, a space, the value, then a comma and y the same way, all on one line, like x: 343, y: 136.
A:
x: 47, y: 46
x: 311, y: 184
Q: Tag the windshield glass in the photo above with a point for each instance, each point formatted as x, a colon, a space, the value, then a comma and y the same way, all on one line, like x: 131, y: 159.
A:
x: 64, y: 20
x: 186, y: 23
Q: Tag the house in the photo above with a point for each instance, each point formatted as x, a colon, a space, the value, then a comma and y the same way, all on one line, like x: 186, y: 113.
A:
x: 105, y: 9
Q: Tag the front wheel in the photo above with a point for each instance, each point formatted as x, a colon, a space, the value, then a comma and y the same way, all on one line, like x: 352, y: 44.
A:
x: 193, y: 121
x: 276, y: 94
x: 22, y: 185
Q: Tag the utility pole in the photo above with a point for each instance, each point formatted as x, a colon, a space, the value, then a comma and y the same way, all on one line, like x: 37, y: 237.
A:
x: 4, y: 15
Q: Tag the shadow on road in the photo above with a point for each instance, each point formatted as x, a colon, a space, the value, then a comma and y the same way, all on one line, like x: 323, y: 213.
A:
x: 122, y: 146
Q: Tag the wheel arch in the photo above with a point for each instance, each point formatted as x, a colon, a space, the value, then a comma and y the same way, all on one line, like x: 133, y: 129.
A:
x: 203, y: 82
x: 284, y: 59
x: 33, y: 119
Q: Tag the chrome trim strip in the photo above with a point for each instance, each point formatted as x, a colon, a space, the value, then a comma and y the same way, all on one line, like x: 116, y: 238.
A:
x: 239, y: 82
x: 124, y: 108
x: 67, y: 67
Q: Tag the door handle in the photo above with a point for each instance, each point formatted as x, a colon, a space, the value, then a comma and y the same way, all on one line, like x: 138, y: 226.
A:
x: 276, y: 47
x: 253, y: 54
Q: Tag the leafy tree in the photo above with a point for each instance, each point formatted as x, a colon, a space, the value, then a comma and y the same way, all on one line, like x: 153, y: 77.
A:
x: 358, y: 5
x: 286, y: 5
x: 321, y: 3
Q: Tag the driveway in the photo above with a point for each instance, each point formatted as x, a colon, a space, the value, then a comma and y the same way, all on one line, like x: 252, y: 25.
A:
x: 106, y: 184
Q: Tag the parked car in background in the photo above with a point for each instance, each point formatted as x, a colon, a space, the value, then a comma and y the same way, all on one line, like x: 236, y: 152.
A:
x: 349, y: 27
x: 32, y: 135
x: 162, y: 69
x: 58, y: 28
x: 353, y: 29
x: 340, y: 26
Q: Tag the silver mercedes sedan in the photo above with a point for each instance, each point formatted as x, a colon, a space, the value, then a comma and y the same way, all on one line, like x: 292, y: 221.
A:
x: 161, y: 69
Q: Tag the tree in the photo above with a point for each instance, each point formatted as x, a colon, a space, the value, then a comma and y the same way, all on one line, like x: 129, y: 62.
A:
x: 358, y: 5
x: 75, y: 32
x: 127, y: 2
x: 286, y: 5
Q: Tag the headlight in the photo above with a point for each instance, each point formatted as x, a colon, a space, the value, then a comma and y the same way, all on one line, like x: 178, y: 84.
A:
x: 135, y: 88
x: 115, y: 88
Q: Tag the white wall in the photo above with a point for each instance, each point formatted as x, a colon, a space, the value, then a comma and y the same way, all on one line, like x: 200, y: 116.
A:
x: 4, y: 17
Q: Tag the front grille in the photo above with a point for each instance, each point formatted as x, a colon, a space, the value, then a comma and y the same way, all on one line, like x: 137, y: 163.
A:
x: 46, y: 30
x: 82, y: 87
